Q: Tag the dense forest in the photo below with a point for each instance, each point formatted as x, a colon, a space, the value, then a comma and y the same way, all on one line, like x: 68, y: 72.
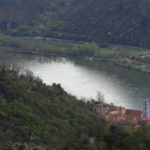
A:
x: 109, y: 21
x: 34, y: 116
x: 20, y: 13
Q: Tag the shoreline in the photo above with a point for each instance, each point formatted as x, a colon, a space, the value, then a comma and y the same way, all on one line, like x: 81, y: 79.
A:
x: 112, y: 61
x: 120, y: 56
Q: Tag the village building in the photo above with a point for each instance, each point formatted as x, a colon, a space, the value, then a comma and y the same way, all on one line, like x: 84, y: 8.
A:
x: 123, y: 116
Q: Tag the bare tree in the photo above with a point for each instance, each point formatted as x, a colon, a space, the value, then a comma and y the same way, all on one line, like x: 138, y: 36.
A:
x: 100, y: 103
x: 100, y: 97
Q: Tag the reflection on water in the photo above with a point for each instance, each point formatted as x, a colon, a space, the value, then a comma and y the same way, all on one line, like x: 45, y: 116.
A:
x: 84, y: 78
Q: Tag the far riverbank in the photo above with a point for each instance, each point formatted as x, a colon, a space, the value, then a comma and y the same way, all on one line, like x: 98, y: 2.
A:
x: 124, y: 56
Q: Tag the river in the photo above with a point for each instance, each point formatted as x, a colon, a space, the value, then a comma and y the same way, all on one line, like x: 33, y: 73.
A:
x: 83, y: 78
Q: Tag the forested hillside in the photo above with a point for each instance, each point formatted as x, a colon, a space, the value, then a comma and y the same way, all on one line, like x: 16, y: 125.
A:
x: 40, y: 115
x: 29, y: 10
x: 26, y: 12
x: 34, y: 116
x: 109, y: 21
x: 20, y: 10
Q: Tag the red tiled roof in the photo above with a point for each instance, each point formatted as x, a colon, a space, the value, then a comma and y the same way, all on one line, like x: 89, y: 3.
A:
x: 131, y: 112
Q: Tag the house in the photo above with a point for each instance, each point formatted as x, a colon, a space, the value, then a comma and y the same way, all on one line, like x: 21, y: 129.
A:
x: 121, y: 115
x: 133, y: 116
x: 125, y: 116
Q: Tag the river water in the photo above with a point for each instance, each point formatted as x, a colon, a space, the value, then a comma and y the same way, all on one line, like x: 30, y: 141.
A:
x: 83, y: 78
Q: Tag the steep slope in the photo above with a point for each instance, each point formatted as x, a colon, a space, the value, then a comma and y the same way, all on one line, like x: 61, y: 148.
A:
x: 33, y: 113
x: 34, y: 116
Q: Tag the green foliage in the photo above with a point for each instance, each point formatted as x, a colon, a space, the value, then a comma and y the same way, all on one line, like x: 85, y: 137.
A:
x: 53, y: 47
x: 25, y: 11
x: 127, y: 138
x: 109, y: 21
x: 34, y: 113
x: 29, y: 108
